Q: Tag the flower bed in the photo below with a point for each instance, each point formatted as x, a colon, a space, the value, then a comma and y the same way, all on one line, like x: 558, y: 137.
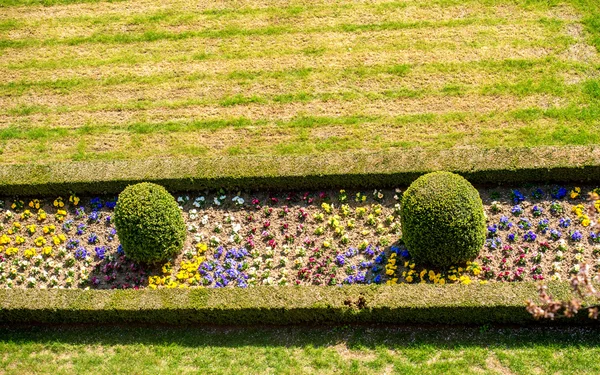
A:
x: 312, y: 238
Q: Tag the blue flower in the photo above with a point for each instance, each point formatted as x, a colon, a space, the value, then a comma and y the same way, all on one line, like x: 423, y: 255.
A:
x: 111, y: 204
x: 96, y: 203
x: 537, y: 211
x: 492, y: 229
x: 576, y: 236
x: 94, y: 217
x: 377, y: 279
x: 405, y: 254
x: 511, y: 237
x: 558, y: 193
x: 517, y: 196
x: 537, y: 193
x: 120, y: 250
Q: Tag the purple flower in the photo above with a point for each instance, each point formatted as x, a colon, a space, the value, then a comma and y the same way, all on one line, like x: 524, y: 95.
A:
x: 81, y: 229
x: 524, y: 223
x: 576, y: 236
x: 351, y: 252
x: 340, y: 260
x: 517, y: 210
x: 529, y: 236
x: 369, y: 251
x: 72, y: 243
x: 492, y: 229
x: 94, y: 217
x: 505, y: 223
x: 564, y: 222
x: 81, y: 253
x: 511, y: 237
x: 100, y: 252
x: 537, y: 211
x: 543, y: 225
x: 120, y: 250
x: 555, y: 234
x: 93, y: 239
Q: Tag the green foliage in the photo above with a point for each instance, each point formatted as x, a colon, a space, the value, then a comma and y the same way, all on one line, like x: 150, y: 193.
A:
x: 149, y: 223
x: 443, y: 222
x: 399, y: 304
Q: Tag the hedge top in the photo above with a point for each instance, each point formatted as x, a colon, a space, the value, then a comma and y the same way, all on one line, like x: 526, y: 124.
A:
x: 357, y: 169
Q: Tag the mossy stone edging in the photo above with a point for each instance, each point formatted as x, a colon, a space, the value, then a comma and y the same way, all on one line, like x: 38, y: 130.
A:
x: 348, y: 170
x: 401, y: 304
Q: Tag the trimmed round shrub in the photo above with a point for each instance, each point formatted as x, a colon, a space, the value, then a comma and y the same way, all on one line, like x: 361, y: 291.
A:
x: 442, y: 218
x: 149, y: 223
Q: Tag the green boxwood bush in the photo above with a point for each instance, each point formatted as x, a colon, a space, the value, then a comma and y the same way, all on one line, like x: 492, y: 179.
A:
x: 149, y: 223
x: 442, y: 217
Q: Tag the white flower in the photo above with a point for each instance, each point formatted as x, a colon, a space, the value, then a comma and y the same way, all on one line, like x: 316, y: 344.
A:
x: 192, y: 228
x: 556, y: 267
x: 236, y: 227
x: 238, y: 200
x: 217, y: 201
x: 204, y: 220
x: 193, y: 214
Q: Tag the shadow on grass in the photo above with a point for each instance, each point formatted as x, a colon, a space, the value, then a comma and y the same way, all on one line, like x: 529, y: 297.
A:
x: 354, y: 337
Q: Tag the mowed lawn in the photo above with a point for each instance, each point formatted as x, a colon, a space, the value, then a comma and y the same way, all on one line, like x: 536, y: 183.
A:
x: 298, y: 350
x: 84, y: 80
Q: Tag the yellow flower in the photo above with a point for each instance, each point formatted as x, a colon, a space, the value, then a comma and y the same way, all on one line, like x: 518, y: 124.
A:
x: 422, y: 273
x: 60, y: 215
x: 74, y: 199
x: 465, y: 280
x: 442, y: 281
x: 4, y: 240
x: 431, y: 275
x: 34, y: 204
x: 31, y: 228
x: 41, y: 215
x: 476, y: 271
x: 409, y: 279
x: 11, y: 251
x: 58, y: 202
x: 49, y: 229
x: 30, y: 253
x: 19, y: 240
x: 167, y: 268
x: 389, y: 272
x: 483, y: 282
x: 585, y: 220
x: 40, y: 241
x: 575, y: 192
x: 201, y: 247
x: 47, y: 251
